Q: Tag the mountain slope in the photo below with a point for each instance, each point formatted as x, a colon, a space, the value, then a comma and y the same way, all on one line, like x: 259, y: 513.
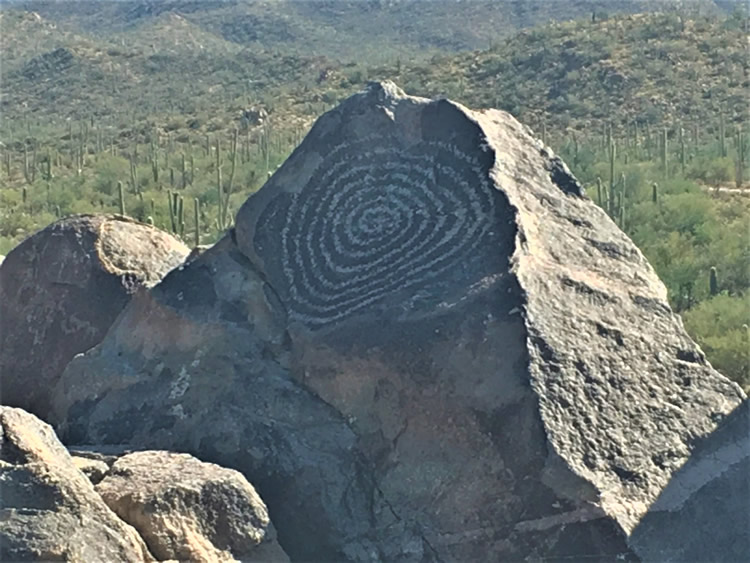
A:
x: 345, y: 29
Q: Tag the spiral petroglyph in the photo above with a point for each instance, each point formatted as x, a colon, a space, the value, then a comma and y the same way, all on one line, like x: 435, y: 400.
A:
x: 374, y: 219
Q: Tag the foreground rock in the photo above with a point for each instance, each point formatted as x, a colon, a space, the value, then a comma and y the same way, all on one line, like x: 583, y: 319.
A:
x: 422, y: 342
x: 48, y: 509
x: 61, y: 289
x: 190, y: 511
x: 703, y: 514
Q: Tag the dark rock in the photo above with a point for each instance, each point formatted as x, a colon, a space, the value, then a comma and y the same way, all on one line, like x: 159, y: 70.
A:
x: 61, y: 289
x: 221, y: 389
x: 421, y: 342
x: 49, y: 510
x: 189, y: 510
x: 703, y: 514
x: 48, y: 64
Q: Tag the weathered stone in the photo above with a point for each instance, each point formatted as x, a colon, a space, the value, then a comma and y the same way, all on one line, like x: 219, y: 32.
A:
x: 422, y: 341
x: 196, y: 362
x: 188, y: 510
x: 49, y: 511
x: 61, y: 289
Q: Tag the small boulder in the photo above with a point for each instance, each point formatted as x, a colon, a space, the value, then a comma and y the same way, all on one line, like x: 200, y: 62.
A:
x: 48, y: 509
x: 186, y: 509
x: 61, y: 289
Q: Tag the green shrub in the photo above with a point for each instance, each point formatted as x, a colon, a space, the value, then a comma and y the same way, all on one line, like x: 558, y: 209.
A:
x: 717, y: 325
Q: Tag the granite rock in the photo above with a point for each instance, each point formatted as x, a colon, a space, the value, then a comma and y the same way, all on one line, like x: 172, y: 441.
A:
x: 189, y: 510
x: 49, y: 510
x: 61, y: 289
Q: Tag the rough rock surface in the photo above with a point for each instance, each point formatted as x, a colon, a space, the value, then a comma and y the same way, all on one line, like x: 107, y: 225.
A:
x: 49, y: 511
x: 61, y: 289
x: 421, y: 342
x: 189, y: 510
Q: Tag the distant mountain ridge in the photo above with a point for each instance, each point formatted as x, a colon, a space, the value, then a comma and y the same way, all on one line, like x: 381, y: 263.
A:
x: 346, y: 29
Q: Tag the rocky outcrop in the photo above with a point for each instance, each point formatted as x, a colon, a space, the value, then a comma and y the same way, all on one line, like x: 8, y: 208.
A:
x: 421, y: 342
x: 189, y: 510
x: 61, y: 289
x: 48, y: 509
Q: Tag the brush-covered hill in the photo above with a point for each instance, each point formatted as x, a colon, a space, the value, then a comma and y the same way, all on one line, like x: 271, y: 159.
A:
x: 646, y: 69
x: 345, y: 29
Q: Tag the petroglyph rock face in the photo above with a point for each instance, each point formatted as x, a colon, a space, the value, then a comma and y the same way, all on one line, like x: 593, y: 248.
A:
x: 421, y: 342
x: 61, y: 289
x: 377, y: 219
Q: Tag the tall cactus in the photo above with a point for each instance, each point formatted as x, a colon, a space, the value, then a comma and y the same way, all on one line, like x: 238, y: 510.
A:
x: 183, y: 170
x: 181, y: 215
x: 33, y: 163
x: 682, y: 151
x: 621, y: 201
x: 219, y: 185
x: 197, y: 221
x: 740, y: 162
x: 722, y: 136
x: 172, y: 211
x: 713, y: 282
x: 26, y: 175
x: 224, y: 205
x: 121, y: 193
x: 155, y: 160
x: 664, y: 153
x: 133, y: 173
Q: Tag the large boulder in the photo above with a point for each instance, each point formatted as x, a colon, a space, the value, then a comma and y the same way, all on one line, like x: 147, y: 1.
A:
x: 49, y: 510
x: 61, y: 289
x: 189, y: 510
x: 421, y: 342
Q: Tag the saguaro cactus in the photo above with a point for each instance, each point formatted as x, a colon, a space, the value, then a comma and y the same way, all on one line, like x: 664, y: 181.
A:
x: 740, y: 162
x: 197, y: 220
x: 121, y: 193
x: 713, y: 282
